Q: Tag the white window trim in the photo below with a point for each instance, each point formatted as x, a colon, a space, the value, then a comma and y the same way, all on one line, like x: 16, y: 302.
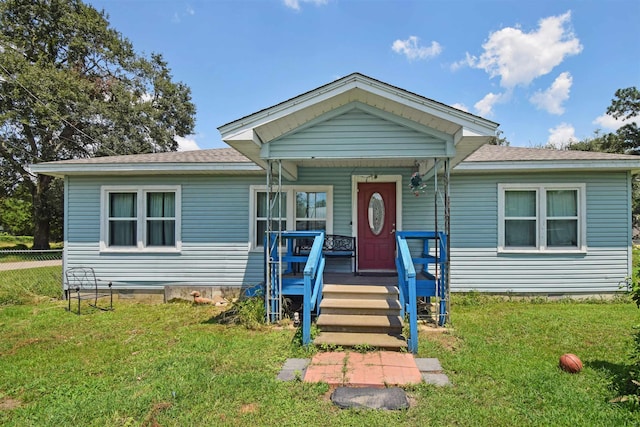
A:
x: 141, y: 191
x: 290, y: 211
x: 541, y: 217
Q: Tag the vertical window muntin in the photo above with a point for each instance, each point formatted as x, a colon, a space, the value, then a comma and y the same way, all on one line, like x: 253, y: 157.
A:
x: 559, y: 217
x: 140, y: 218
x: 303, y: 208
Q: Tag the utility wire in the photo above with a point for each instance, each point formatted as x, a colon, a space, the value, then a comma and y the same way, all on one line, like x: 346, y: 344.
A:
x: 56, y: 114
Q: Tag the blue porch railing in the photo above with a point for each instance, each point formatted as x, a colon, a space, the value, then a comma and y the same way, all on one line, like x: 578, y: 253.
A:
x: 425, y: 282
x: 282, y: 280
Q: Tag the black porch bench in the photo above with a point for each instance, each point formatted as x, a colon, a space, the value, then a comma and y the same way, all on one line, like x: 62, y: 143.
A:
x: 81, y: 284
x: 334, y: 246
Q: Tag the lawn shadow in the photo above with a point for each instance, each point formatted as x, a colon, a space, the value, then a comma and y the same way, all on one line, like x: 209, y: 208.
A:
x: 620, y: 375
x: 224, y: 317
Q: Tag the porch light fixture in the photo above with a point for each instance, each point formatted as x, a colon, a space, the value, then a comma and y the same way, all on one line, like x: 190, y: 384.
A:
x: 416, y: 185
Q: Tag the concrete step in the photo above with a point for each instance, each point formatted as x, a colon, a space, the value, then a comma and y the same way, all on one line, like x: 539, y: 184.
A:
x: 360, y: 291
x: 380, y: 307
x: 346, y: 339
x: 360, y: 323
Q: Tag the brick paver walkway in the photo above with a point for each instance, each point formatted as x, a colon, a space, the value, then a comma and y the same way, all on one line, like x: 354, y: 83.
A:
x: 376, y: 369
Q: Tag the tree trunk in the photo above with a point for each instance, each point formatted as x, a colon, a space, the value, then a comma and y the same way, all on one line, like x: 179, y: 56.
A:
x: 41, y: 212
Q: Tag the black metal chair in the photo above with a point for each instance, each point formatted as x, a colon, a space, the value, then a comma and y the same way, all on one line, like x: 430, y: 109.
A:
x: 81, y: 284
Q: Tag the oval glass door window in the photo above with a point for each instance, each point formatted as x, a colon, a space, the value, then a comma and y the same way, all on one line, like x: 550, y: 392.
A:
x: 376, y: 213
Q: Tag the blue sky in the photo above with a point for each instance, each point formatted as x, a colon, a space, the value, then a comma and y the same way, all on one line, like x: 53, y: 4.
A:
x: 545, y: 70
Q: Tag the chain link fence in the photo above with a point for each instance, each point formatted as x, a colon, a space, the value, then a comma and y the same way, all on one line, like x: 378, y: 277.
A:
x: 27, y: 275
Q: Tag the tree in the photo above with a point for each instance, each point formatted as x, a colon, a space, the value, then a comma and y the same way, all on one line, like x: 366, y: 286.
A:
x: 626, y: 140
x: 626, y: 103
x: 499, y: 139
x: 72, y: 87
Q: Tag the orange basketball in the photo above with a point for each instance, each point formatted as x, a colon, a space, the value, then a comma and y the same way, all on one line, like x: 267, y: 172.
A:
x: 570, y: 363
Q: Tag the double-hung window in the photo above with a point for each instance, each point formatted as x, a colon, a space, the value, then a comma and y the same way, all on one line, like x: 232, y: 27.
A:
x: 140, y: 218
x: 297, y: 208
x: 541, y: 217
x: 311, y: 210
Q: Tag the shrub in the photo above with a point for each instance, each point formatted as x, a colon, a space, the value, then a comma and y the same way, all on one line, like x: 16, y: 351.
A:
x: 246, y: 311
x: 632, y: 397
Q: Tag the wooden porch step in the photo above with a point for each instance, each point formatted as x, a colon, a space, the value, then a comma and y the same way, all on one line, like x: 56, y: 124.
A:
x: 380, y: 307
x: 346, y: 339
x: 360, y: 323
x: 360, y: 291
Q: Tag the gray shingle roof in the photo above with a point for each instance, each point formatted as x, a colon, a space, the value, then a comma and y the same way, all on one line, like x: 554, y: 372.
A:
x: 495, y: 153
x: 486, y: 153
x: 215, y: 155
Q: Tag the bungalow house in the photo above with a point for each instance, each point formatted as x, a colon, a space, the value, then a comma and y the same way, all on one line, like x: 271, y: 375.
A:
x: 410, y: 181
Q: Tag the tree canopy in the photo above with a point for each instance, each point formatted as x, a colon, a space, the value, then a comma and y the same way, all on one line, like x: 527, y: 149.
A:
x: 626, y: 140
x: 72, y: 87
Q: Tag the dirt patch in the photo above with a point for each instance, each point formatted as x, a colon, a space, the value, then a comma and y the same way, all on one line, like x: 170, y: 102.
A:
x: 7, y: 404
x: 249, y: 408
x: 442, y: 336
x: 150, y: 419
x: 19, y: 345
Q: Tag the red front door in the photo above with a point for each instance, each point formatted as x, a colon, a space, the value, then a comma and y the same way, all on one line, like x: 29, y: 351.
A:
x: 376, y: 226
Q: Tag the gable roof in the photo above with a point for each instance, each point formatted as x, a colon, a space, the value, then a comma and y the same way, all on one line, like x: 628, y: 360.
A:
x: 252, y: 134
x: 344, y: 81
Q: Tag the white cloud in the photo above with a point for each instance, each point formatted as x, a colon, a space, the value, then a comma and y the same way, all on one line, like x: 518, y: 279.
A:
x: 177, y: 16
x: 551, y: 99
x: 561, y: 135
x: 484, y: 107
x: 467, y: 61
x: 460, y: 106
x: 610, y: 123
x: 412, y: 50
x: 518, y: 57
x: 187, y: 143
x: 295, y: 4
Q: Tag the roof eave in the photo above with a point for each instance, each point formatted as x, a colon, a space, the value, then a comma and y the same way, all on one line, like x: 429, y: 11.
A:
x: 547, y: 165
x: 353, y: 81
x: 61, y: 170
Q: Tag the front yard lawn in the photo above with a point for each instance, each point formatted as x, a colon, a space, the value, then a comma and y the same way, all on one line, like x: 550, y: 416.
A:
x: 172, y: 365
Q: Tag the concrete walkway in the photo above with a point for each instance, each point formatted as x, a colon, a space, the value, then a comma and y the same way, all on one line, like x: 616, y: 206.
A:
x: 22, y: 265
x: 375, y: 369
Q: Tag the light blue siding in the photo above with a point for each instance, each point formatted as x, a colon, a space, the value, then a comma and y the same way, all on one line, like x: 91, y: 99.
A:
x: 215, y: 218
x: 215, y: 232
x: 357, y: 134
x: 477, y: 265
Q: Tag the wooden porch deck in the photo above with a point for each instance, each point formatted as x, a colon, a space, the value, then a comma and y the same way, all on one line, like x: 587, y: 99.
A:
x: 350, y: 279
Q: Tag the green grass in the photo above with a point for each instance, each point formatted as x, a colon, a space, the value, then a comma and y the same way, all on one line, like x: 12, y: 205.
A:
x: 30, y: 285
x: 636, y: 262
x: 9, y: 242
x: 171, y: 364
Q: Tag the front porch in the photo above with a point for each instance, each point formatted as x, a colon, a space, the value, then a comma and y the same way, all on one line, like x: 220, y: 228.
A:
x: 338, y: 159
x: 360, y: 310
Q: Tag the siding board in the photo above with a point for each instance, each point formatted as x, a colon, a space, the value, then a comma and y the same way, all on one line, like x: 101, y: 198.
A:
x: 354, y: 133
x: 215, y: 237
x: 476, y: 264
